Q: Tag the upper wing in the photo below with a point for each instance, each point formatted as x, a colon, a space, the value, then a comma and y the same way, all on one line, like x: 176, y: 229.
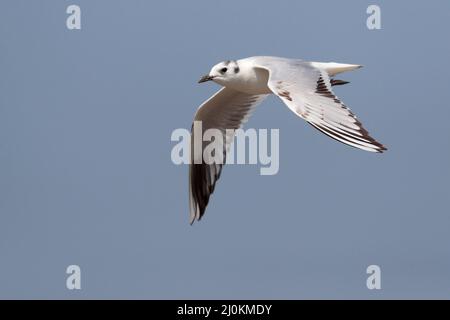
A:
x: 227, y: 109
x: 306, y: 90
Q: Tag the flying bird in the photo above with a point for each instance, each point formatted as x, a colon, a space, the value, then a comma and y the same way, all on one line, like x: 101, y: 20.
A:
x: 306, y: 89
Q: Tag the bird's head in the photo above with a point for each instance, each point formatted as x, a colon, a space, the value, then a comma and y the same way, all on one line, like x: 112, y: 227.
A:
x: 222, y: 73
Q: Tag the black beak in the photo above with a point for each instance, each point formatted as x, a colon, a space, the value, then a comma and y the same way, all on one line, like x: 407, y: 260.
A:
x: 205, y: 78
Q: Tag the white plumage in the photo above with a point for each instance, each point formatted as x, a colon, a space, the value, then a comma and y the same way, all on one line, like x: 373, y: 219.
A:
x: 305, y: 87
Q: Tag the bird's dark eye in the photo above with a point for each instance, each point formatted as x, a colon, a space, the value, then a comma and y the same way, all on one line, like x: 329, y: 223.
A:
x: 223, y: 70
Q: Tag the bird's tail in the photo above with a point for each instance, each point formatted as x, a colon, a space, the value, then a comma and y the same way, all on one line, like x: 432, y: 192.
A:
x: 333, y: 68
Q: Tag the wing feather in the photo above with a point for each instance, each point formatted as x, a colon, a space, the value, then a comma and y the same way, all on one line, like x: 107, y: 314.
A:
x: 227, y: 109
x: 306, y: 90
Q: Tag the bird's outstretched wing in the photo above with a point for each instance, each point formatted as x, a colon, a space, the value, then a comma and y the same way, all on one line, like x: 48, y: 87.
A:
x: 227, y: 109
x: 306, y: 90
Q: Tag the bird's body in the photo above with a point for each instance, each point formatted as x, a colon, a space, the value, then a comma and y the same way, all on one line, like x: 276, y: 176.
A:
x: 252, y: 78
x: 305, y: 87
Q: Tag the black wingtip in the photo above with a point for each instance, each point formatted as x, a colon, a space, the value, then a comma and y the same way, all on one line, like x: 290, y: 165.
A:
x: 382, y: 149
x: 336, y: 82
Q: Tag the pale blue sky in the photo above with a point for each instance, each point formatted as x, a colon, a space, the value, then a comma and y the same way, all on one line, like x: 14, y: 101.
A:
x: 86, y: 176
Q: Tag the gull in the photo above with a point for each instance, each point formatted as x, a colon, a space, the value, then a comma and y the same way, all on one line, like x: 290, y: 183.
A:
x: 306, y: 89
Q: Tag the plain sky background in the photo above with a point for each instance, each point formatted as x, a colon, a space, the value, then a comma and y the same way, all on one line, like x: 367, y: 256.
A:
x: 86, y: 176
